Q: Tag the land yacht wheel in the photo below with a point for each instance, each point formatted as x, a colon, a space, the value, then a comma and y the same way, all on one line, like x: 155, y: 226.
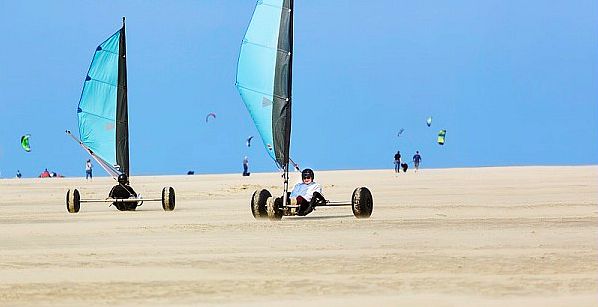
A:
x: 362, y: 202
x: 73, y: 201
x: 121, y: 191
x: 273, y: 206
x: 168, y: 199
x: 258, y: 203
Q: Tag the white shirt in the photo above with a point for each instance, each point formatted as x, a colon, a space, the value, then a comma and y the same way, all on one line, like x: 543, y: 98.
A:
x: 306, y: 190
x: 88, y: 166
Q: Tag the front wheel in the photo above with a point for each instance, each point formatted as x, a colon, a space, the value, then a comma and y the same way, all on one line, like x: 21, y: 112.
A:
x: 362, y: 203
x: 168, y: 199
x: 258, y: 203
x: 274, y: 206
x: 73, y: 201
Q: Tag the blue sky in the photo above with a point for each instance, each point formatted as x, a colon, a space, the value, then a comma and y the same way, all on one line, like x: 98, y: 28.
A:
x: 512, y: 82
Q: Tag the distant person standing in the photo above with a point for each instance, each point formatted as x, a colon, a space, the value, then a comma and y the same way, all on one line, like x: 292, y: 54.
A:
x: 19, y: 174
x: 245, y: 166
x: 398, y: 162
x: 416, y: 159
x: 88, y: 169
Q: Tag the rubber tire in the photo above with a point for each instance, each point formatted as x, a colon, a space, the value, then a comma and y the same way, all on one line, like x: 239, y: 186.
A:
x: 258, y: 203
x: 273, y: 206
x: 118, y: 192
x: 73, y: 201
x: 168, y: 199
x: 362, y: 203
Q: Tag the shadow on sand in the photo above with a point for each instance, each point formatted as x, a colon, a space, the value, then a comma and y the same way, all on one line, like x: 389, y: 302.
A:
x: 320, y: 217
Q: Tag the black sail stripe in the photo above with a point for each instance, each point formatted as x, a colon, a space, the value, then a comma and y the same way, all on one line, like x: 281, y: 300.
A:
x: 122, y: 113
x: 281, y: 107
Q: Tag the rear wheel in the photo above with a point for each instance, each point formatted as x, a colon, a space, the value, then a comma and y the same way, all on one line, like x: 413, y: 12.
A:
x: 274, y: 207
x: 73, y: 201
x: 362, y: 202
x: 258, y: 203
x: 168, y: 199
x: 120, y: 191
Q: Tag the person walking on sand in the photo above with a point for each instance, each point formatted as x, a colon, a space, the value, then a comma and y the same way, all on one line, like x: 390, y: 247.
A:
x: 245, y: 166
x: 398, y: 162
x: 19, y: 174
x: 88, y: 169
x: 416, y: 159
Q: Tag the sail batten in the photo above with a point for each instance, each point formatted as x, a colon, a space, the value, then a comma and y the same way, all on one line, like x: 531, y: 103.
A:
x: 248, y: 89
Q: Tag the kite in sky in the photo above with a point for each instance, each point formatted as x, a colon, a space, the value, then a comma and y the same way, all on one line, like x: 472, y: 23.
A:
x: 441, y: 135
x: 210, y: 114
x: 25, y: 142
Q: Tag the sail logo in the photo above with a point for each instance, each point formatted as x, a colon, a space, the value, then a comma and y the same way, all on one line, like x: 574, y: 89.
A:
x: 266, y: 102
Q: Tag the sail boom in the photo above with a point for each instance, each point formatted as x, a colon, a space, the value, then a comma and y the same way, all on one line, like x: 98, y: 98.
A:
x: 111, y: 170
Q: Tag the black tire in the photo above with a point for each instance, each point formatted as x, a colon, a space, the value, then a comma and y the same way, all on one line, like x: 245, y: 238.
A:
x: 168, y: 198
x: 123, y: 192
x: 258, y: 203
x: 362, y: 203
x: 73, y: 201
x: 273, y: 206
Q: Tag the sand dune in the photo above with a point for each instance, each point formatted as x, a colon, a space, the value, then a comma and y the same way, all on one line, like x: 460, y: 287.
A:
x: 477, y: 236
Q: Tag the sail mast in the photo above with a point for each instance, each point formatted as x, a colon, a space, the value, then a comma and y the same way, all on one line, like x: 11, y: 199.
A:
x: 287, y: 144
x: 122, y: 109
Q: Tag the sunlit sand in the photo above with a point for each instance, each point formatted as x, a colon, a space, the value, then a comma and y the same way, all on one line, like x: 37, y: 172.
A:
x: 515, y: 236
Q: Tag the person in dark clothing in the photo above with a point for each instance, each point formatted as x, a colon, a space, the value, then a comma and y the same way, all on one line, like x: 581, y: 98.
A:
x: 397, y: 162
x: 246, y: 166
x: 123, y: 191
x: 416, y: 159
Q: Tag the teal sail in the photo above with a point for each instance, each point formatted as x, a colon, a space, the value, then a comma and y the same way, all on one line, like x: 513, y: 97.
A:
x: 264, y: 75
x: 102, y: 110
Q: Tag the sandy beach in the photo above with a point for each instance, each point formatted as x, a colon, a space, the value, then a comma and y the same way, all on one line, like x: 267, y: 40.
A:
x: 496, y: 236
